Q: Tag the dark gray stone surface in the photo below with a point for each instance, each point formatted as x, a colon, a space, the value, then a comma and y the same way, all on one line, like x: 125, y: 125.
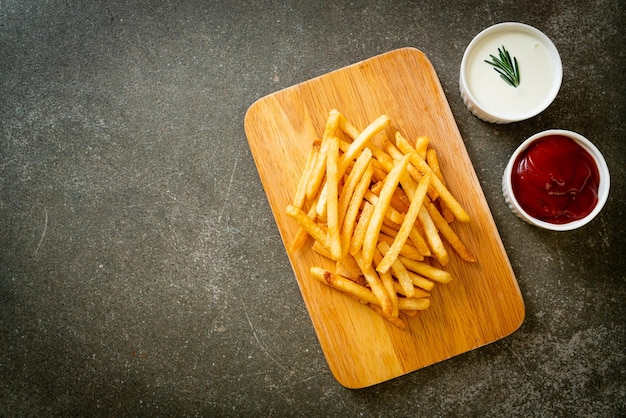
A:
x: 141, y: 271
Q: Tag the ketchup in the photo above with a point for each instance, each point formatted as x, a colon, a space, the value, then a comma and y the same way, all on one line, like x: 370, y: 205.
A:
x: 556, y: 180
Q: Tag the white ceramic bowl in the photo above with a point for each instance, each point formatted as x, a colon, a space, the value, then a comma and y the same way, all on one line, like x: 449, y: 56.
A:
x: 603, y: 189
x: 487, y: 96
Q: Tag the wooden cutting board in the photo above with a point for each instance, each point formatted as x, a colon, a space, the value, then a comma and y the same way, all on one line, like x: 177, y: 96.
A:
x: 481, y: 305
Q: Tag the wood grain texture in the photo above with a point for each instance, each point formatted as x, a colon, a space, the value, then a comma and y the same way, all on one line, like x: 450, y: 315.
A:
x: 481, y: 305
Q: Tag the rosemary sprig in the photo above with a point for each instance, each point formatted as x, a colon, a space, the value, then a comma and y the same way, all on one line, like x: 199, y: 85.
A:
x: 507, y: 68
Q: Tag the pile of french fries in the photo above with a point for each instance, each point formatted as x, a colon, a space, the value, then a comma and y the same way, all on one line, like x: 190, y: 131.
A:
x: 379, y: 208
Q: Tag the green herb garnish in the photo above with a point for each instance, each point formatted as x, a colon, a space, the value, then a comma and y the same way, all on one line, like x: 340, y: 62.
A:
x: 507, y: 68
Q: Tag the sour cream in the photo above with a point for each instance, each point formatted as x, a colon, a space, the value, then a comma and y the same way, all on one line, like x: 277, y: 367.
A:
x: 491, y: 98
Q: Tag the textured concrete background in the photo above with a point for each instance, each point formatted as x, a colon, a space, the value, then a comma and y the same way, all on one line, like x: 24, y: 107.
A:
x: 141, y: 271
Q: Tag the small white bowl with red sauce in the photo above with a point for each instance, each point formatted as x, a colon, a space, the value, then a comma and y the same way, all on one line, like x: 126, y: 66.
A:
x: 557, y: 180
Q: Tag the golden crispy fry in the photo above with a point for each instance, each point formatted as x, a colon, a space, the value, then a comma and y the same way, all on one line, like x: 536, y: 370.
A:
x: 348, y: 128
x: 348, y: 268
x: 392, y: 213
x: 407, y: 250
x: 411, y: 314
x: 433, y: 162
x: 417, y: 291
x: 313, y: 229
x: 300, y: 196
x: 302, y: 235
x: 388, y: 283
x: 356, y: 243
x: 401, y: 196
x: 375, y: 283
x: 321, y: 250
x: 332, y: 123
x: 318, y: 172
x: 399, y: 202
x: 381, y: 207
x: 361, y: 141
x: 448, y: 233
x: 399, y: 271
x: 383, y: 159
x: 408, y: 304
x: 420, y: 281
x: 322, y: 201
x: 426, y: 270
x: 389, y: 231
x: 419, y: 241
x: 349, y: 221
x: 356, y: 173
x: 407, y: 225
x: 423, y: 167
x: 421, y: 145
x: 332, y: 186
x: 343, y: 145
x: 393, y: 225
x: 353, y: 289
x: 413, y: 173
x: 432, y: 236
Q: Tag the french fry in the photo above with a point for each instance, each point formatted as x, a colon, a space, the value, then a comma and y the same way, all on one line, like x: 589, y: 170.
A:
x: 417, y: 292
x: 399, y: 271
x: 407, y: 250
x: 407, y: 224
x: 348, y: 268
x: 419, y: 242
x: 356, y: 243
x: 448, y: 233
x: 412, y: 172
x: 421, y: 145
x: 347, y: 229
x: 353, y: 179
x: 318, y: 172
x: 432, y: 236
x: 307, y: 224
x: 332, y: 123
x: 351, y: 288
x: 392, y: 213
x: 433, y: 162
x: 373, y: 228
x: 383, y: 159
x: 427, y: 270
x: 343, y: 145
x: 399, y: 202
x: 381, y: 123
x: 300, y: 196
x: 423, y: 167
x: 302, y: 235
x: 361, y: 141
x: 348, y: 128
x: 329, y: 139
x: 388, y: 283
x: 420, y: 281
x: 411, y: 314
x: 409, y: 304
x: 321, y: 250
x: 374, y: 283
x: 332, y: 212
